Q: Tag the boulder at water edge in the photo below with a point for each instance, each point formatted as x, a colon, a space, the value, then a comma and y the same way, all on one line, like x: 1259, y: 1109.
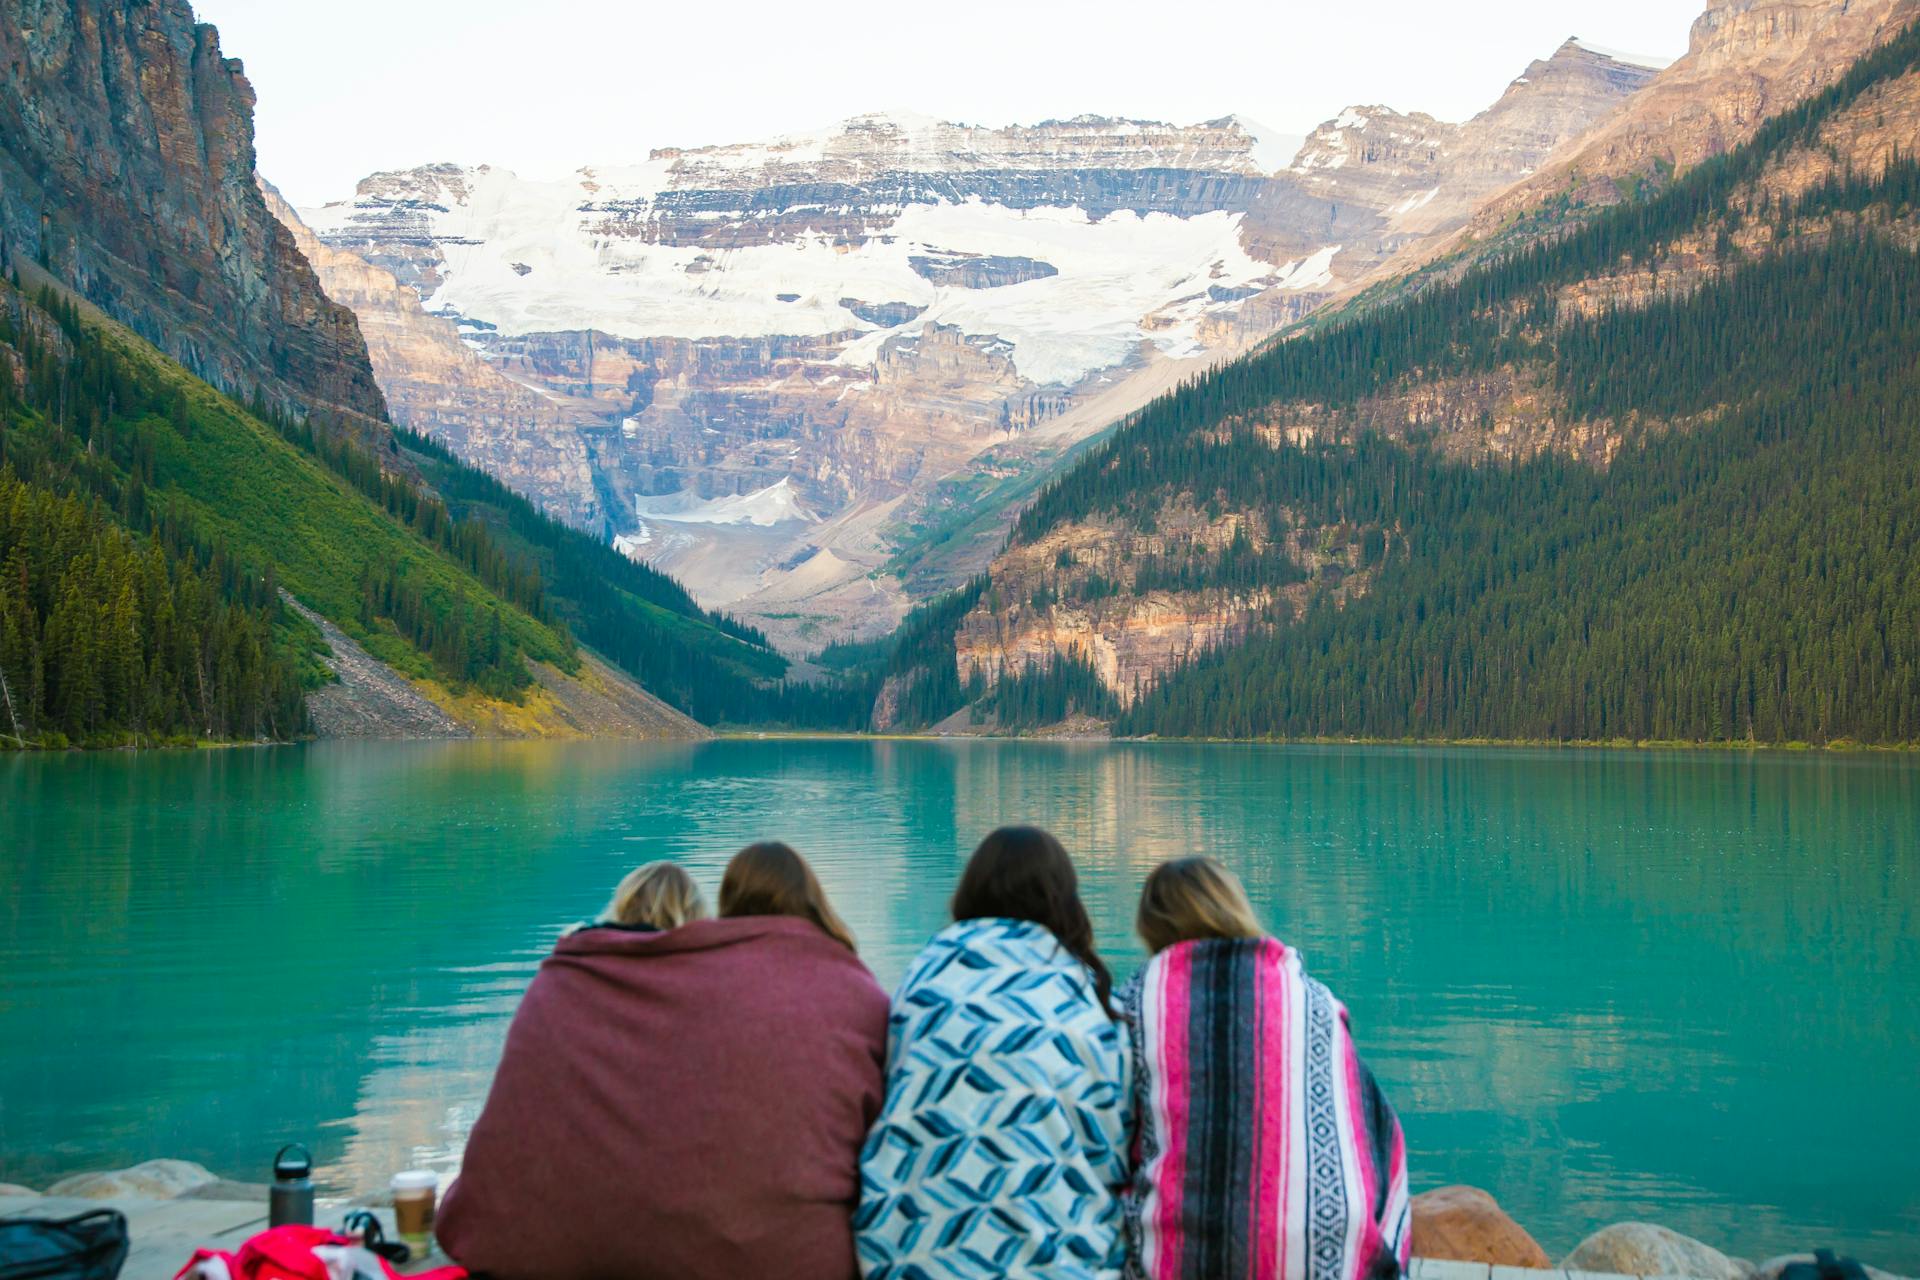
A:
x: 15, y: 1189
x: 1772, y: 1267
x: 1642, y: 1249
x: 154, y: 1180
x: 1465, y: 1224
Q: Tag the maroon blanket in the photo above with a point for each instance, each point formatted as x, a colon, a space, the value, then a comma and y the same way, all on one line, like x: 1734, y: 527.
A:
x: 677, y: 1105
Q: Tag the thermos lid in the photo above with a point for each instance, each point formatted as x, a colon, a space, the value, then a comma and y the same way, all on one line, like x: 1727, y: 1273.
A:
x: 288, y: 1167
x: 416, y: 1180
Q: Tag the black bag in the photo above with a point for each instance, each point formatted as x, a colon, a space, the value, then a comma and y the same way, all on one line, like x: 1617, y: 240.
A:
x: 1824, y: 1267
x: 87, y: 1246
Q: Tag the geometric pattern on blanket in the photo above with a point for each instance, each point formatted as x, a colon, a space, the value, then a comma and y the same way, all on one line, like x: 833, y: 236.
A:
x: 1003, y: 1139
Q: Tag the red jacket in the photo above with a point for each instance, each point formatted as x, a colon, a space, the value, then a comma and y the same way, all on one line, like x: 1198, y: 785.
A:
x: 298, y: 1252
x: 678, y: 1105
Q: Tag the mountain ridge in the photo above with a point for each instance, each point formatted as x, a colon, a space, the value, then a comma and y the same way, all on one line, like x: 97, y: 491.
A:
x: 1747, y: 60
x: 1239, y: 523
x: 880, y: 313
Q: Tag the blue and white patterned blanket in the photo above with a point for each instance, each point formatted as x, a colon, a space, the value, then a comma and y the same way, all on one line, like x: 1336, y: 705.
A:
x: 1003, y: 1141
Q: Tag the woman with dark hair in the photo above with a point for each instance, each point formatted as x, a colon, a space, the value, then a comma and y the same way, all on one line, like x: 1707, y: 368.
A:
x: 770, y: 879
x: 1265, y: 1149
x: 687, y: 1104
x: 1001, y: 1149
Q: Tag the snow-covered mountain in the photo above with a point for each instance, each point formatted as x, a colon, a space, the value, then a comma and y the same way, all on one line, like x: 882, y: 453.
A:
x: 786, y: 361
x: 1067, y: 240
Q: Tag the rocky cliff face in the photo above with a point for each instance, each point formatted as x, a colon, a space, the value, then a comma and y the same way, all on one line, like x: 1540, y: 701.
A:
x: 1110, y: 591
x: 436, y: 383
x: 784, y: 358
x: 126, y: 170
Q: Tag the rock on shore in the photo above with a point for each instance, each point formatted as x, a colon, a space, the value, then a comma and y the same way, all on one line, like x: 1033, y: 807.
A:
x: 1643, y: 1249
x: 152, y: 1180
x: 1465, y: 1224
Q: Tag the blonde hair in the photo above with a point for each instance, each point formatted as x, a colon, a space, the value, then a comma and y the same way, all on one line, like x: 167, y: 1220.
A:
x: 660, y: 894
x: 770, y: 879
x: 1193, y: 898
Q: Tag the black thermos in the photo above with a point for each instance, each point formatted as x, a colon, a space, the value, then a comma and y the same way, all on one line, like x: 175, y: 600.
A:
x: 290, y: 1199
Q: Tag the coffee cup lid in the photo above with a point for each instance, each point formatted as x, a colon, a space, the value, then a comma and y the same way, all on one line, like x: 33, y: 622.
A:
x: 416, y: 1180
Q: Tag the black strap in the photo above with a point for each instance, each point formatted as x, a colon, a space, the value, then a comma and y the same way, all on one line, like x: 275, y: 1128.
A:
x: 365, y: 1224
x: 77, y: 1221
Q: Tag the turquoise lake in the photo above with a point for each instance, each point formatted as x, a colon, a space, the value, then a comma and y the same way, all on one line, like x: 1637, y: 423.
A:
x: 1676, y: 987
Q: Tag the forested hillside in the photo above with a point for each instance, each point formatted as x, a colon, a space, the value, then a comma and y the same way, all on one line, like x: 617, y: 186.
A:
x: 110, y: 447
x: 1751, y: 578
x: 121, y: 619
x: 133, y: 491
x: 1651, y: 480
x: 707, y: 664
x: 104, y: 638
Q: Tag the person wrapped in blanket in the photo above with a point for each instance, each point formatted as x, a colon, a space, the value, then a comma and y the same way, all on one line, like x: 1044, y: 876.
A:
x: 1262, y: 1148
x: 1000, y: 1152
x: 681, y: 1098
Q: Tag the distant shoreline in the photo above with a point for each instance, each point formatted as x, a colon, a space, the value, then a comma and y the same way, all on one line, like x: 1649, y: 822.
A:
x: 1837, y: 747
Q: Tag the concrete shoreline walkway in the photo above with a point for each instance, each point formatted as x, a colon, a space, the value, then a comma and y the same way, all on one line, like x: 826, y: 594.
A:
x: 166, y: 1232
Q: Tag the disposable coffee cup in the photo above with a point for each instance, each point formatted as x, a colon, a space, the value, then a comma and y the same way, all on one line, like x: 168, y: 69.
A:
x: 413, y: 1195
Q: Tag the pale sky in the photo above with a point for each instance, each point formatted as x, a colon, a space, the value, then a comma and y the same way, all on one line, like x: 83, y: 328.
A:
x: 542, y: 87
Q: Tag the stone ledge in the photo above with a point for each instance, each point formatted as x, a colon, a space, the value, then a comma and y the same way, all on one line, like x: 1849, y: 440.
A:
x: 1442, y: 1269
x: 166, y: 1232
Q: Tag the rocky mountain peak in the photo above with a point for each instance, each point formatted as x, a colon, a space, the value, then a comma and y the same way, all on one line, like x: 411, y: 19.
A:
x: 1425, y: 173
x: 1579, y: 68
x: 1577, y: 52
x: 1372, y: 135
x: 1554, y: 100
x: 1746, y: 60
x: 441, y: 184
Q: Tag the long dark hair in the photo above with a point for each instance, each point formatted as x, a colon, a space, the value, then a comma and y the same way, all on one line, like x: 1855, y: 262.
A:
x: 770, y: 879
x: 1023, y: 873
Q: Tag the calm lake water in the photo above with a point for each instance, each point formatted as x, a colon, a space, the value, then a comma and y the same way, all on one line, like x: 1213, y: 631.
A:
x: 1679, y: 987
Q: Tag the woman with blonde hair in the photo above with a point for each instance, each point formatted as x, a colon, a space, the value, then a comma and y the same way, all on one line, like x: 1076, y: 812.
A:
x: 681, y: 1103
x: 1263, y: 1147
x: 658, y: 895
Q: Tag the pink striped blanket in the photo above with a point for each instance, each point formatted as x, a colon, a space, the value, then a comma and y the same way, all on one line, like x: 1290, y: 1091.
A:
x: 1264, y: 1149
